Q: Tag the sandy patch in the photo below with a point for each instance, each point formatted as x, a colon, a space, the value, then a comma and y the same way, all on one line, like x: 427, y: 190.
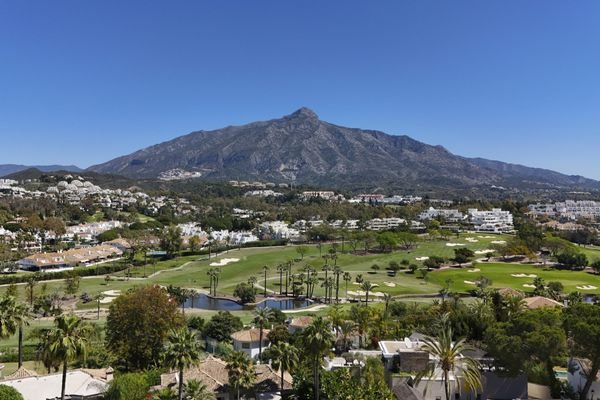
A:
x: 474, y: 270
x: 422, y: 258
x: 486, y: 237
x: 107, y: 300
x: 389, y: 284
x: 472, y: 240
x: 455, y: 244
x: 498, y: 241
x: 587, y: 287
x: 484, y: 251
x: 529, y: 285
x: 524, y: 275
x: 224, y: 262
x: 112, y: 292
x: 470, y: 282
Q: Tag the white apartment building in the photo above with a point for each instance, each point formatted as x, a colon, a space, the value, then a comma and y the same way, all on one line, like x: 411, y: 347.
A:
x: 278, y: 230
x: 447, y: 215
x: 570, y: 209
x: 381, y: 224
x: 495, y: 220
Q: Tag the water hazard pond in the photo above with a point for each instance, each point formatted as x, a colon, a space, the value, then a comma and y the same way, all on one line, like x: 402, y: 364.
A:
x: 210, y: 303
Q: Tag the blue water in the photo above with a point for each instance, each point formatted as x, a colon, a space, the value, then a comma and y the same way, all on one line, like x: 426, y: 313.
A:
x: 208, y: 303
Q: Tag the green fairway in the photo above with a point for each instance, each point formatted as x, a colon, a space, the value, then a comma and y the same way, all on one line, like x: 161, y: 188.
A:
x: 191, y: 271
x: 501, y: 275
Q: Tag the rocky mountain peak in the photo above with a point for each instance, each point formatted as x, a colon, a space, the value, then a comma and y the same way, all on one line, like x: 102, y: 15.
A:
x: 304, y: 113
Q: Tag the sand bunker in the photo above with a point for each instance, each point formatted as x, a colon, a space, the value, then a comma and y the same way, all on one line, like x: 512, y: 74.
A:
x: 470, y: 282
x: 498, y: 241
x: 529, y: 285
x: 389, y: 284
x: 455, y: 244
x: 422, y: 258
x: 486, y: 237
x: 587, y: 287
x: 472, y: 240
x: 474, y: 270
x: 112, y: 292
x: 484, y: 251
x: 224, y: 262
x: 524, y: 275
x: 107, y: 300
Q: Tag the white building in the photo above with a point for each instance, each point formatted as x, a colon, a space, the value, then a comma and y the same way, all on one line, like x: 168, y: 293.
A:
x: 446, y: 214
x: 248, y: 341
x: 278, y: 230
x: 495, y: 220
x: 381, y: 224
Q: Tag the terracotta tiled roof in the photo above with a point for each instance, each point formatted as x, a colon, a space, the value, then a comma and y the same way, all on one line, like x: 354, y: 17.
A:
x: 212, y: 372
x: 302, y: 322
x: 20, y: 374
x: 249, y: 335
x: 539, y: 301
x: 510, y: 292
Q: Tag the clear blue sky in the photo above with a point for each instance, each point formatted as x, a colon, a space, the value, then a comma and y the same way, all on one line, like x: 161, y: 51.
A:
x: 85, y: 81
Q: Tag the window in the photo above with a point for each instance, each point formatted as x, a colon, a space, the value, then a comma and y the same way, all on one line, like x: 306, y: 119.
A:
x: 245, y: 345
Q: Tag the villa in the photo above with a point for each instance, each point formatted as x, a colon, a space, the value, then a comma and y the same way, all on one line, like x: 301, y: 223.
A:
x: 248, y: 341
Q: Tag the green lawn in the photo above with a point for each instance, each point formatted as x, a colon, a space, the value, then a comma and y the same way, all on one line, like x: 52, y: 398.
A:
x: 501, y: 275
x: 191, y: 272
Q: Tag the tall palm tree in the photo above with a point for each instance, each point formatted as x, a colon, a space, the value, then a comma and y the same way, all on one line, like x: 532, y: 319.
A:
x: 288, y: 274
x: 182, y: 351
x: 265, y: 269
x: 326, y: 268
x: 196, y: 390
x: 281, y: 268
x: 262, y: 317
x: 317, y: 339
x: 337, y: 271
x: 447, y: 356
x: 285, y: 357
x: 68, y: 340
x: 240, y: 371
x: 366, y: 286
x: 13, y: 317
x: 347, y: 278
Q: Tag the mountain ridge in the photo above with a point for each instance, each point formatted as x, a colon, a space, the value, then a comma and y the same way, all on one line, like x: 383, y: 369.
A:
x: 8, y: 169
x: 301, y: 148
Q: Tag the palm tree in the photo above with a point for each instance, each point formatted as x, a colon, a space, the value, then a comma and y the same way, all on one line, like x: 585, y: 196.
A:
x: 447, y: 356
x: 284, y: 357
x: 326, y: 268
x: 317, y: 342
x: 68, y: 340
x: 346, y: 328
x: 42, y: 350
x: 366, y: 286
x: 337, y: 271
x: 262, y: 317
x: 182, y: 351
x: 241, y: 371
x: 281, y: 268
x: 196, y: 390
x: 30, y: 288
x: 13, y: 316
x: 252, y: 281
x: 347, y: 278
x: 386, y: 298
x: 265, y: 269
x: 288, y: 274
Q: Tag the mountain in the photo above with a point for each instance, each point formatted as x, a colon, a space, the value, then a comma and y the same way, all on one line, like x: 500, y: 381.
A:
x: 7, y: 169
x: 301, y: 148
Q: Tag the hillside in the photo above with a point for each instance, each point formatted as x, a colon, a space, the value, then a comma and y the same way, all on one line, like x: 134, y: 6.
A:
x: 303, y: 149
x: 7, y: 169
